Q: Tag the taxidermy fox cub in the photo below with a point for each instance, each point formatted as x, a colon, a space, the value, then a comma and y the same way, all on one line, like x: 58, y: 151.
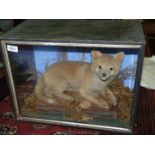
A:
x: 86, y: 78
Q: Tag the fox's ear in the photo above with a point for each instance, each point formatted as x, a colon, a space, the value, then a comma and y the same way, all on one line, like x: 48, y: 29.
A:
x: 119, y: 56
x: 96, y: 54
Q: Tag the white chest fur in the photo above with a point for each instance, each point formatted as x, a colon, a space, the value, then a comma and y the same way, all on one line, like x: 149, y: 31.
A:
x: 98, y: 85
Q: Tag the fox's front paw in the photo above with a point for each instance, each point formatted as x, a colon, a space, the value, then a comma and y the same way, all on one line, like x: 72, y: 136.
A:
x: 104, y: 105
x: 113, y: 100
x: 85, y: 105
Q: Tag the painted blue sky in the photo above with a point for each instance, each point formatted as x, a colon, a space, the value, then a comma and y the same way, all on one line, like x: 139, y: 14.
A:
x: 45, y: 56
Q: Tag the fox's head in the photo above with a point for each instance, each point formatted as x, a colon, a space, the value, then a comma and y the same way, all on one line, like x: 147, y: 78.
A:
x: 104, y: 66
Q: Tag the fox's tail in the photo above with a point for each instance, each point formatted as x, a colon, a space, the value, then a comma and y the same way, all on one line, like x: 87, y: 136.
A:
x: 39, y: 94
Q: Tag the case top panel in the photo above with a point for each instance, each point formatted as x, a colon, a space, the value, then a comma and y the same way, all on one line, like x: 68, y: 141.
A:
x: 82, y: 31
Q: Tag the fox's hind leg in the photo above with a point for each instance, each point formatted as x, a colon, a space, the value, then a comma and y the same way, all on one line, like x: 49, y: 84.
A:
x: 59, y: 88
x: 48, y: 92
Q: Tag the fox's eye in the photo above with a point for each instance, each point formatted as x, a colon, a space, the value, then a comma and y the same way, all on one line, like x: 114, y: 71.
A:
x: 99, y: 67
x: 111, y: 68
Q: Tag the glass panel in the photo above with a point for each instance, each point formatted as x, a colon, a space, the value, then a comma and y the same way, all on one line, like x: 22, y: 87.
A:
x: 72, y: 84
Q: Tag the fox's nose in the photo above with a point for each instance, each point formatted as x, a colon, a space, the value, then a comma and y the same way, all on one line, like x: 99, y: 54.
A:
x: 104, y: 74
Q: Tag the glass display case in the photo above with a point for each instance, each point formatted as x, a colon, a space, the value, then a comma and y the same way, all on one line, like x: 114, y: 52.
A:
x: 82, y: 73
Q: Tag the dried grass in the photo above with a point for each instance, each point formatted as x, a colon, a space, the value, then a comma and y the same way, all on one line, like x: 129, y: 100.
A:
x: 75, y: 112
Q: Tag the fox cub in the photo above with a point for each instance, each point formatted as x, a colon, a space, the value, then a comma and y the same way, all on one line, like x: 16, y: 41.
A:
x: 86, y: 78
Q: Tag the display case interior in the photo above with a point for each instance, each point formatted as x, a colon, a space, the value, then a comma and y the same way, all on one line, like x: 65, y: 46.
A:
x: 31, y: 62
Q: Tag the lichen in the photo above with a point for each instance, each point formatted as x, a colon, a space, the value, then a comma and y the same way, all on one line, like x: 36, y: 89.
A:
x: 124, y: 98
